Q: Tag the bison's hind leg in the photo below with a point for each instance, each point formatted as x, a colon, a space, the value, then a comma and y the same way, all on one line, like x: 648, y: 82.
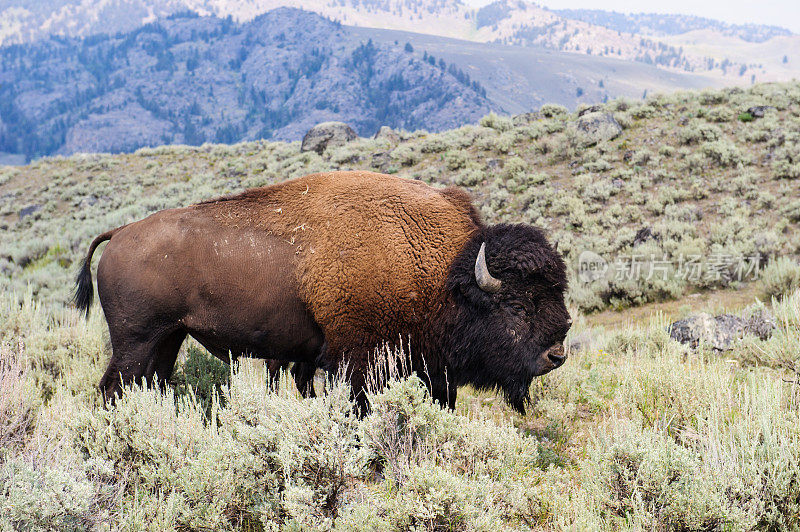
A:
x: 274, y: 368
x: 140, y: 361
x: 304, y: 378
x: 166, y: 354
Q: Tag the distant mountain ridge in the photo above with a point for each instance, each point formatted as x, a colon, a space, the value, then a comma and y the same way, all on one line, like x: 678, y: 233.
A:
x: 23, y: 21
x: 190, y: 79
x: 667, y: 24
x: 187, y: 78
x: 643, y: 37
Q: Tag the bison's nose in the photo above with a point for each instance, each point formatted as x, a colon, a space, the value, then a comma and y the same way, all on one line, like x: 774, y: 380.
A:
x: 557, y: 355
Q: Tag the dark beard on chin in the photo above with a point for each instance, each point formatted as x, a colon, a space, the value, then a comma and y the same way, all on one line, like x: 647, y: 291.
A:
x: 517, y: 394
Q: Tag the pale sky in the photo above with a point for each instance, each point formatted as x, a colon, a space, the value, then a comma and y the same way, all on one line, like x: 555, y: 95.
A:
x: 785, y: 13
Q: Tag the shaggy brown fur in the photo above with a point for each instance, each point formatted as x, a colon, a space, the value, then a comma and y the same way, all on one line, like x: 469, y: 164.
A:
x: 373, y: 250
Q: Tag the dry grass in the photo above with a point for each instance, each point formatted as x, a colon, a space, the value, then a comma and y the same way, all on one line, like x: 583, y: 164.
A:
x: 635, y: 431
x: 15, y: 409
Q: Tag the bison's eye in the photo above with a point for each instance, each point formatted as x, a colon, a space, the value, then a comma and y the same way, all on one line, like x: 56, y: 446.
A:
x: 517, y: 308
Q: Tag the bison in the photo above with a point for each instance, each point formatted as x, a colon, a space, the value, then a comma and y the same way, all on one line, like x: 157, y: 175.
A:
x: 303, y: 375
x: 321, y: 270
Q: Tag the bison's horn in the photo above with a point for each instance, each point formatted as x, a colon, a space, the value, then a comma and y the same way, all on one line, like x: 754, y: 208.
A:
x: 486, y: 282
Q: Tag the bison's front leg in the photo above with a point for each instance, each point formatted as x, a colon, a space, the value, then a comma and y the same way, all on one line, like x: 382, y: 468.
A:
x: 304, y: 378
x: 358, y: 387
x: 303, y: 375
x: 352, y: 366
x: 445, y: 395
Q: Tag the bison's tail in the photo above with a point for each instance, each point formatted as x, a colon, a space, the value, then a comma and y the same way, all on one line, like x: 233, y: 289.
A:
x: 84, y: 290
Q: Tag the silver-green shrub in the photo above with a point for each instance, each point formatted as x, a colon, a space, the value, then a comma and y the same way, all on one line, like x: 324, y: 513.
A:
x: 781, y: 277
x: 698, y: 131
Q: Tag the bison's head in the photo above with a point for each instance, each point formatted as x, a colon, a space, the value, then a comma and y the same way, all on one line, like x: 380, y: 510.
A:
x: 510, y: 319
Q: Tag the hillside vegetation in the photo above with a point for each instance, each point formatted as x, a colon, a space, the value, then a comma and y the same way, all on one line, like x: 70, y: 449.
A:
x: 635, y: 431
x: 692, y: 175
x: 519, y: 79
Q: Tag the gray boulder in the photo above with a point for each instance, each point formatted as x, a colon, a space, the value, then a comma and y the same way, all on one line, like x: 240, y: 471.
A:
x: 381, y: 160
x: 387, y: 133
x: 581, y: 341
x: 86, y: 201
x: 721, y: 332
x: 643, y: 235
x: 590, y: 109
x: 595, y: 127
x: 525, y: 118
x: 493, y: 164
x: 327, y: 134
x: 759, y: 111
x: 27, y: 211
x: 760, y: 323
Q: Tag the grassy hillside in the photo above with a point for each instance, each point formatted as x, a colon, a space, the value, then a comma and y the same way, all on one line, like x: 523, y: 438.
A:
x: 691, y: 176
x: 635, y: 431
x: 666, y: 24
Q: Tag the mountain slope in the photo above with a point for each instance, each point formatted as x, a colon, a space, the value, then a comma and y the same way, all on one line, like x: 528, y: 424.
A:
x: 190, y: 79
x: 28, y: 20
x: 520, y: 79
x: 196, y: 79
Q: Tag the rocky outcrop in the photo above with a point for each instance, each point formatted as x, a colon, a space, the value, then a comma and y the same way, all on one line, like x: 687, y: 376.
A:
x: 759, y: 111
x: 582, y: 341
x: 526, y: 118
x: 387, y: 133
x: 594, y: 127
x: 643, y: 235
x: 721, y: 332
x: 590, y: 109
x: 381, y: 161
x: 27, y: 211
x: 326, y: 135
